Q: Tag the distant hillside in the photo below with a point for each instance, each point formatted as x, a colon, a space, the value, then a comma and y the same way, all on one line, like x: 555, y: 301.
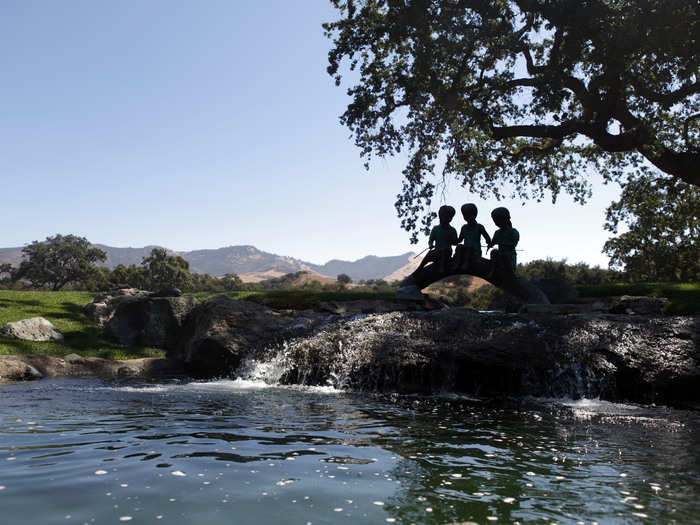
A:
x: 11, y: 255
x: 241, y: 259
x: 370, y: 267
x: 400, y: 274
x: 125, y: 256
x: 249, y: 262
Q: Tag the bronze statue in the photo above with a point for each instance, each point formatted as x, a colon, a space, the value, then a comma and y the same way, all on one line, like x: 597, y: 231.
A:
x: 506, y: 237
x: 471, y: 233
x: 442, y: 237
x: 499, y: 270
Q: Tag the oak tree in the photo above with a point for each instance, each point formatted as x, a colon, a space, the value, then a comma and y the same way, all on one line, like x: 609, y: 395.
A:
x: 520, y: 97
x: 661, y: 237
x: 58, y: 260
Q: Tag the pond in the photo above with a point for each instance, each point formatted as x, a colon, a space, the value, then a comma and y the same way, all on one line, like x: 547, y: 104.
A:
x: 245, y: 452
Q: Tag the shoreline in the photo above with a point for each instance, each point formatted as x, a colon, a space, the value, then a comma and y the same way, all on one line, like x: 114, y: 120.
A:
x: 16, y: 368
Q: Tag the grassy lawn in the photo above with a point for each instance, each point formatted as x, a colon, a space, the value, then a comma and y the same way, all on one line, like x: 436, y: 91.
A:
x: 298, y: 299
x: 65, y: 311
x: 684, y: 297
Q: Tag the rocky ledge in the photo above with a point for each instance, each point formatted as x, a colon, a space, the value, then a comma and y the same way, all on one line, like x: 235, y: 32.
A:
x: 27, y: 367
x: 649, y: 359
x: 616, y: 349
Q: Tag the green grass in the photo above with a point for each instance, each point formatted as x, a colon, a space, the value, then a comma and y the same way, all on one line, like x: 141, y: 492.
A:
x: 684, y: 297
x: 65, y: 311
x: 298, y: 299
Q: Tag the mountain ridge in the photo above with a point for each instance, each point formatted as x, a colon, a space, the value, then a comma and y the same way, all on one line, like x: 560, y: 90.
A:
x: 248, y: 262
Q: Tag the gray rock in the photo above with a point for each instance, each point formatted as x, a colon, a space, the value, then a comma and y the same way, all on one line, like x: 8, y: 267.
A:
x: 103, y: 306
x: 13, y: 368
x: 168, y: 292
x: 33, y: 329
x: 23, y: 367
x: 629, y: 304
x: 625, y: 304
x: 149, y: 320
x: 221, y: 331
x: 73, y: 358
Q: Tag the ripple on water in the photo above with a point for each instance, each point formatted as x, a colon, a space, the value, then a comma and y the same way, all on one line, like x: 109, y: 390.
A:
x: 234, y: 450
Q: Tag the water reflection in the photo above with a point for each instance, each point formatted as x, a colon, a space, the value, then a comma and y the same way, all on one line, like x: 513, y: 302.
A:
x: 222, y: 452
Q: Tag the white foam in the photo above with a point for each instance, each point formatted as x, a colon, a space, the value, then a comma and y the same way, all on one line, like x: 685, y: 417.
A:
x: 237, y: 385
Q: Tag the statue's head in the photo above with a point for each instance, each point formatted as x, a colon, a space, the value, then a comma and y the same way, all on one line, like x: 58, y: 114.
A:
x: 469, y: 211
x: 501, y: 217
x: 446, y: 214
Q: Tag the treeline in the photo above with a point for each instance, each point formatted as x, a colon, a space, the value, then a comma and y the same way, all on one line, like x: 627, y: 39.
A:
x: 70, y: 262
x: 490, y: 297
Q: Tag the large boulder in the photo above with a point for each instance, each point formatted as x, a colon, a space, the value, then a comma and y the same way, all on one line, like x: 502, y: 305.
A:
x: 149, y: 320
x: 101, y: 309
x: 33, y: 329
x: 221, y: 331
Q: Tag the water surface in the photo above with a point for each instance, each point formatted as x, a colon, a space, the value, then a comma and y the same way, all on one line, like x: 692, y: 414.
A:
x: 88, y: 451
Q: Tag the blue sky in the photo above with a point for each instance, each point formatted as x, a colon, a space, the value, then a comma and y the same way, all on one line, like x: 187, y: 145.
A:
x: 206, y: 124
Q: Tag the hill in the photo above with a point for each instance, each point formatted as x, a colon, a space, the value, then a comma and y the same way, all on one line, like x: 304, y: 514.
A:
x: 369, y: 267
x: 248, y: 262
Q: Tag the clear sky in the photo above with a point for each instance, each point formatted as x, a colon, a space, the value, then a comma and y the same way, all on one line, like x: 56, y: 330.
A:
x: 207, y: 124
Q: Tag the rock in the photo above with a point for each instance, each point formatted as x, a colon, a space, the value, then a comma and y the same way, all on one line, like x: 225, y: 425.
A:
x: 628, y: 304
x: 33, y: 329
x: 149, y: 320
x: 560, y: 309
x: 168, y: 292
x: 221, y: 331
x: 22, y: 367
x: 371, y: 306
x: 557, y: 289
x: 103, y: 306
x: 615, y: 357
x: 13, y: 369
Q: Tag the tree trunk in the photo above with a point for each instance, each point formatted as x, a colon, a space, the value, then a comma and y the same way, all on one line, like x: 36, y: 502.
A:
x: 508, y: 282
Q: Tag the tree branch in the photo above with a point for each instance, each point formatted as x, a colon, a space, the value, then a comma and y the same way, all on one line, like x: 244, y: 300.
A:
x: 666, y: 100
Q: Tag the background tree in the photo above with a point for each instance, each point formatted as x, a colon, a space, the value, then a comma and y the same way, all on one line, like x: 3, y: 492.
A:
x: 662, y: 241
x: 231, y: 282
x: 166, y: 271
x: 344, y: 278
x: 5, y: 273
x: 530, y: 95
x: 59, y: 260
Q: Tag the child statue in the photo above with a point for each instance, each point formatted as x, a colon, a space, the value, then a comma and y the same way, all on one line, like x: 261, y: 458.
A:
x: 442, y: 237
x: 471, y: 233
x: 506, y: 237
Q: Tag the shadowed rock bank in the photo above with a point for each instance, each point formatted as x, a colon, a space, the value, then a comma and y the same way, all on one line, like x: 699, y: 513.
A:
x: 593, y: 349
x: 614, y: 357
x: 28, y: 367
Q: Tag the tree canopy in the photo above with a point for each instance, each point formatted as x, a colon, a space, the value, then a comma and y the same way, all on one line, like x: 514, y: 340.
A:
x: 166, y: 271
x: 528, y: 95
x: 58, y: 260
x: 662, y: 237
